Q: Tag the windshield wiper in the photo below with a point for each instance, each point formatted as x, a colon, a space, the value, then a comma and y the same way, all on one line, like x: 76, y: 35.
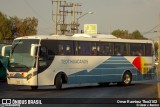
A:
x: 18, y: 65
x: 15, y: 46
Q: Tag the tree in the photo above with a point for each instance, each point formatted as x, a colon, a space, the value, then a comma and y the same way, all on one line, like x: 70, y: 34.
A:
x: 156, y: 48
x: 5, y: 28
x: 11, y: 27
x: 29, y: 26
x: 137, y: 35
x: 15, y: 24
x: 24, y: 27
x: 121, y: 33
x: 126, y: 35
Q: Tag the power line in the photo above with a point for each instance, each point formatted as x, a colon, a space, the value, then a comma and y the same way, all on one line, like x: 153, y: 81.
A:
x: 150, y: 31
x: 46, y: 22
x: 44, y: 30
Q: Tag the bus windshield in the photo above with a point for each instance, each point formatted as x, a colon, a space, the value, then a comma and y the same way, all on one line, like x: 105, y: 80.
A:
x: 20, y: 53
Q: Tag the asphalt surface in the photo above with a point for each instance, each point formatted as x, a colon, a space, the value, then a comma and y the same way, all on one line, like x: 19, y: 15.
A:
x: 86, y: 95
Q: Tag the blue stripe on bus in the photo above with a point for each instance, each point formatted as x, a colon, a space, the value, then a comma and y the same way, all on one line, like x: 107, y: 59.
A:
x: 109, y: 71
x: 103, y: 72
x: 114, y: 65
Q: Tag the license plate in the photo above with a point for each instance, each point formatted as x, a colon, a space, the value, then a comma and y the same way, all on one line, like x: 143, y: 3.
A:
x: 18, y: 82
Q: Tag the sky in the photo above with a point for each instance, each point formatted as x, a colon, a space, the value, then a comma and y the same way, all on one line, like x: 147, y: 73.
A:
x: 109, y: 15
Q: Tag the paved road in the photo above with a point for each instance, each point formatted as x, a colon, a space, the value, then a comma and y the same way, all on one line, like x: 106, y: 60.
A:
x: 136, y: 90
x: 89, y: 91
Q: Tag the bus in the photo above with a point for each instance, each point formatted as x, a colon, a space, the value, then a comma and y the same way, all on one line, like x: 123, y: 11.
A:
x: 4, y: 55
x: 81, y: 58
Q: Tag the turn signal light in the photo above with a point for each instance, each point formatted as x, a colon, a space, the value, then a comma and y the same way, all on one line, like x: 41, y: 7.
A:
x: 23, y: 74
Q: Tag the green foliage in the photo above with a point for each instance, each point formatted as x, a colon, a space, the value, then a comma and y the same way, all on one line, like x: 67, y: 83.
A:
x: 15, y: 27
x: 156, y: 48
x: 156, y: 45
x: 5, y: 29
x: 136, y: 35
x: 24, y: 27
x: 126, y: 35
x: 121, y: 33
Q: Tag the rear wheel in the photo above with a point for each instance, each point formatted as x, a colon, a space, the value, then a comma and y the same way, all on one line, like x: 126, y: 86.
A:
x: 126, y: 80
x: 58, y: 82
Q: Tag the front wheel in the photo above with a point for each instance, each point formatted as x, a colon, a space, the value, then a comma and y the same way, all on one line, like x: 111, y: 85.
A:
x: 34, y: 87
x: 58, y: 82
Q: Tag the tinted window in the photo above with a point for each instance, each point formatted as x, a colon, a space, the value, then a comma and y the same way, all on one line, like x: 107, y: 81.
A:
x: 52, y: 46
x: 25, y: 43
x: 83, y: 48
x: 121, y: 49
x: 137, y: 49
x: 96, y: 48
x: 148, y: 50
x: 65, y: 48
x: 105, y: 49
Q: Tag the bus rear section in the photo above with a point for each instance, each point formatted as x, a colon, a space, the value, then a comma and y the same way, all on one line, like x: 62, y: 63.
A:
x: 105, y: 69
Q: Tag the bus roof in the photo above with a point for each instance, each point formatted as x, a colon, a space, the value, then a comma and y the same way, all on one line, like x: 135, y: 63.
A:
x: 86, y: 37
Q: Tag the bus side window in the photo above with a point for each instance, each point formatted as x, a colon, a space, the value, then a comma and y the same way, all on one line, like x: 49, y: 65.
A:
x: 43, y: 57
x: 43, y: 52
x: 94, y: 50
x: 137, y: 49
x: 60, y: 48
x: 84, y: 48
x: 68, y: 50
x: 148, y: 50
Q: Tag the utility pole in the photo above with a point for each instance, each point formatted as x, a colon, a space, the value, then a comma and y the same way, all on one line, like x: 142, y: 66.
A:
x: 56, y: 16
x: 64, y: 13
x: 61, y: 10
x: 75, y: 12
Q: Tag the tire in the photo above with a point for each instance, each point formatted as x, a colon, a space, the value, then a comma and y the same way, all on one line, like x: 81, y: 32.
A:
x: 34, y: 87
x: 58, y: 82
x: 127, y: 79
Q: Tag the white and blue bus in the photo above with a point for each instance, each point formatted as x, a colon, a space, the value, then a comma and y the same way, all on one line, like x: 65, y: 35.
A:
x: 57, y: 60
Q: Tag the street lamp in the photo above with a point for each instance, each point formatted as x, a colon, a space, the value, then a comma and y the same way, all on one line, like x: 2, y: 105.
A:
x: 84, y: 15
x: 81, y: 17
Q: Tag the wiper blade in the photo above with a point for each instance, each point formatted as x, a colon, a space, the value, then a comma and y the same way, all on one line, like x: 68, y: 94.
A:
x: 15, y: 46
x: 18, y: 65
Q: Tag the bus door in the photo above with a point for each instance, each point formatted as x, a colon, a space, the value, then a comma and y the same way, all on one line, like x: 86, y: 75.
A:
x: 43, y: 59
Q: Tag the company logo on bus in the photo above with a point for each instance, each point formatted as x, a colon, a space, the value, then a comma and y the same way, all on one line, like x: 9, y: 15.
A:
x: 141, y: 64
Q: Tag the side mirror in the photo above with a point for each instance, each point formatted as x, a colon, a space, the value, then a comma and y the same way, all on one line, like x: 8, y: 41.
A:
x: 34, y: 49
x: 6, y: 50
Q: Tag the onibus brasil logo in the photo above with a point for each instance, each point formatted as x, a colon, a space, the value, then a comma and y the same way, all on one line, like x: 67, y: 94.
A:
x: 18, y: 102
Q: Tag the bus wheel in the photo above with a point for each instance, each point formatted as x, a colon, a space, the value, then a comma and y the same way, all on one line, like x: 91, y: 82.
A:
x: 34, y: 87
x: 58, y: 82
x: 104, y: 84
x: 127, y: 79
